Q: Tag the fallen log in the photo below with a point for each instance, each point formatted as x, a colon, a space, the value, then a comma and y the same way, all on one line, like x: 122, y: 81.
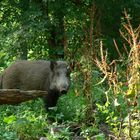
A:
x: 16, y: 96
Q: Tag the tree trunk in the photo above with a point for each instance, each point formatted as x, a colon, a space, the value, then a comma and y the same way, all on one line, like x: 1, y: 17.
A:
x: 15, y: 96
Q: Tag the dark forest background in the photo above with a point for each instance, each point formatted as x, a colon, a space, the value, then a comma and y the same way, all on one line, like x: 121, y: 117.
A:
x: 55, y: 29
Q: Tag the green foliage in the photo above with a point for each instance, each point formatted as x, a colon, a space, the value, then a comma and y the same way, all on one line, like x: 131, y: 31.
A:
x: 72, y: 107
x: 102, y: 104
x: 23, y: 121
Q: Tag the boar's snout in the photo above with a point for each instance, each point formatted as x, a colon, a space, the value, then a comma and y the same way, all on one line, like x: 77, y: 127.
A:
x: 64, y: 89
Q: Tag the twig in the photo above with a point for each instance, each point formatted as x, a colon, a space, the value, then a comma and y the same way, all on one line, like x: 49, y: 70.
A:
x: 125, y: 49
x: 112, y: 136
x: 116, y: 46
x: 130, y: 127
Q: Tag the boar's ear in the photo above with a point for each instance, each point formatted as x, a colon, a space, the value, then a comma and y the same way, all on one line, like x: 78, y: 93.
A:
x: 53, y: 64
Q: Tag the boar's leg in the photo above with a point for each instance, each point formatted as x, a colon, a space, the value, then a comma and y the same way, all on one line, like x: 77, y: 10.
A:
x: 51, y: 100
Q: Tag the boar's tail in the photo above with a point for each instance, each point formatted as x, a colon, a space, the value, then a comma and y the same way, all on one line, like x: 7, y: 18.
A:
x: 1, y: 79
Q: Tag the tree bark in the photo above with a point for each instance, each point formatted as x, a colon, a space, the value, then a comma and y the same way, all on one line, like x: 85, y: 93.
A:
x: 16, y: 96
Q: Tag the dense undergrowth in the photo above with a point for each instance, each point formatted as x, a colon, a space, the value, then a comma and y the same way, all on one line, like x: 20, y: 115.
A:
x: 103, y: 102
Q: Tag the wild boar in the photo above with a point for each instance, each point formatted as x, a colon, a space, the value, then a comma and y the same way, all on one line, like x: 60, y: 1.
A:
x: 50, y: 76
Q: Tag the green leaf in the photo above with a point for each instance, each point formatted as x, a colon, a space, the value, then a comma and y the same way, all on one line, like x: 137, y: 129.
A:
x: 9, y: 119
x: 100, y: 137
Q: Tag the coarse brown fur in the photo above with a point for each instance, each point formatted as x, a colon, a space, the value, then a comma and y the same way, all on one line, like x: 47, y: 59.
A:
x: 35, y: 75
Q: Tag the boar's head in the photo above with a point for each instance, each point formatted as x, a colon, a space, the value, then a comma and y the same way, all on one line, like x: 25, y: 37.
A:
x: 60, y: 79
